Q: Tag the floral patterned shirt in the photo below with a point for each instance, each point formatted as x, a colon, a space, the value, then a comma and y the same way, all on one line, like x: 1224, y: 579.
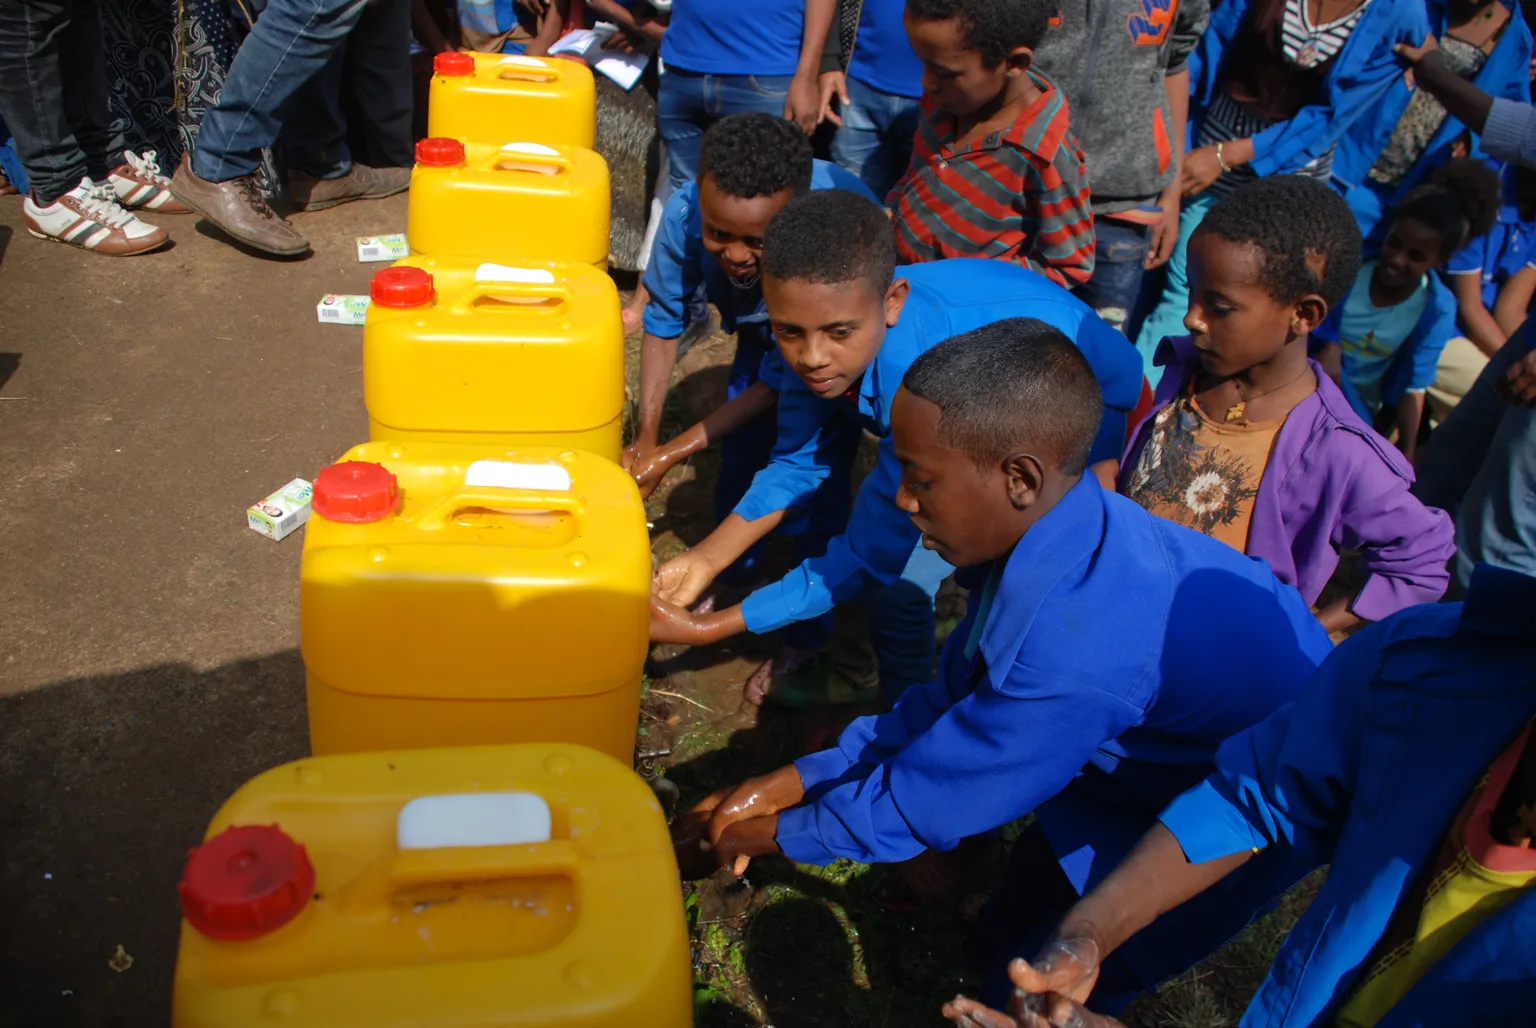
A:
x: 1200, y: 472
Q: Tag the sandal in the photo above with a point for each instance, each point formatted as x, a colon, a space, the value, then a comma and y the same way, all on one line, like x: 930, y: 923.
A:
x: 802, y: 681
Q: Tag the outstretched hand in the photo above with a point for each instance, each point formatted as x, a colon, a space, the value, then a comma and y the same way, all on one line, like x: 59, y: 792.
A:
x: 1048, y: 993
x: 763, y: 796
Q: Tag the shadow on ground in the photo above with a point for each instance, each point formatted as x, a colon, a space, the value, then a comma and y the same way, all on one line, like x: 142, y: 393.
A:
x: 105, y: 782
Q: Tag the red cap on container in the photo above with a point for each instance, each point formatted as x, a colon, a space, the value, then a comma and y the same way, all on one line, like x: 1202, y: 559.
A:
x: 401, y: 287
x: 453, y: 63
x: 245, y: 882
x: 355, y: 492
x: 439, y: 152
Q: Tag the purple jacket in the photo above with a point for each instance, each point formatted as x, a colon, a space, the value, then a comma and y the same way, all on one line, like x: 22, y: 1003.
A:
x: 1331, y: 484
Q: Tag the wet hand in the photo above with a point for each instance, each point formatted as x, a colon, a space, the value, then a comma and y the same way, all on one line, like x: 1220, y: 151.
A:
x: 690, y: 834
x: 1068, y: 967
x: 683, y: 579
x: 763, y: 796
x: 744, y: 840
x: 1201, y: 169
x: 803, y: 104
x: 673, y: 624
x: 833, y: 83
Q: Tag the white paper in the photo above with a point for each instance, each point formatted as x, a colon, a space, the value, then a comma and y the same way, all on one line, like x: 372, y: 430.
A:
x: 623, y: 68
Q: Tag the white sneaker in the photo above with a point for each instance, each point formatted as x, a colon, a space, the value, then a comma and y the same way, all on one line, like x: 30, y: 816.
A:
x: 89, y: 216
x: 139, y: 185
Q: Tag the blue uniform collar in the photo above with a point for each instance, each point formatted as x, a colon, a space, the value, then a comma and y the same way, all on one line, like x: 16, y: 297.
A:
x: 1057, y: 544
x: 1500, y: 602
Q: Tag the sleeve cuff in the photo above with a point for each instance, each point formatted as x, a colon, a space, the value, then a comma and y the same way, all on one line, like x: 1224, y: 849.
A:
x: 1506, y: 129
x: 821, y: 767
x: 1383, y: 596
x: 798, y: 838
x: 1207, y: 826
x: 772, y: 607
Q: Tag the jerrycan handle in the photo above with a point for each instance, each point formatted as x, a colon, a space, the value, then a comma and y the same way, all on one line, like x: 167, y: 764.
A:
x: 530, y: 69
x: 535, y: 158
x: 524, y: 286
x: 507, y: 486
x: 477, y: 837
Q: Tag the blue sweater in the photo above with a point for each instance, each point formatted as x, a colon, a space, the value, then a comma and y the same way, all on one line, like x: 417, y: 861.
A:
x: 1366, y: 771
x: 1117, y: 652
x: 947, y: 298
x: 1506, y: 74
x: 1359, y: 77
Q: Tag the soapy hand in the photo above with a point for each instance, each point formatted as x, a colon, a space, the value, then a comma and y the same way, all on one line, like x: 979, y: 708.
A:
x: 763, y: 796
x: 1047, y: 994
x: 683, y: 579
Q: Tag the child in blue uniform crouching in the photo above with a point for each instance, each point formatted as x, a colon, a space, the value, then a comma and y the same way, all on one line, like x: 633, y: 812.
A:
x: 1107, y: 654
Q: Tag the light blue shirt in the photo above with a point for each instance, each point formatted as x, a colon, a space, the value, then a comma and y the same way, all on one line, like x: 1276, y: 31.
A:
x: 1370, y: 336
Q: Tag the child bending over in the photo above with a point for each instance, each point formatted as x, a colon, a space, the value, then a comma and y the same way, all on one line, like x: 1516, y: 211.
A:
x: 1251, y: 442
x: 1106, y: 653
x: 996, y: 171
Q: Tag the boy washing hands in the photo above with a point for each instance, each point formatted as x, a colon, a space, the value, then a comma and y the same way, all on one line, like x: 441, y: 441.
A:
x: 1107, y: 653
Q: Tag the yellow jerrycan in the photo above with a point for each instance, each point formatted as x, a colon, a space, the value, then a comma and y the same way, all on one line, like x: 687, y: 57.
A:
x: 510, y: 202
x: 512, y: 96
x: 460, y: 351
x: 454, y: 595
x: 527, y: 886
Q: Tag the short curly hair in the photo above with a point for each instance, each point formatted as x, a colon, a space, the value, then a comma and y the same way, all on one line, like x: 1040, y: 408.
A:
x: 1305, y: 231
x: 830, y: 236
x: 993, y: 28
x: 756, y: 154
x: 1012, y: 383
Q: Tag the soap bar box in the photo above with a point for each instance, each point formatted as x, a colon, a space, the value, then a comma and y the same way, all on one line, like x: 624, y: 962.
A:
x: 342, y: 309
x: 285, y: 510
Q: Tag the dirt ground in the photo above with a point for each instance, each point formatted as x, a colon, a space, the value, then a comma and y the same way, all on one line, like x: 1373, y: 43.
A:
x: 149, y: 650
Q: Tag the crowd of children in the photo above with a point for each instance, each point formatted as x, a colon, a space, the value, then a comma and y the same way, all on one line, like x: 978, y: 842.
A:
x: 1152, y: 307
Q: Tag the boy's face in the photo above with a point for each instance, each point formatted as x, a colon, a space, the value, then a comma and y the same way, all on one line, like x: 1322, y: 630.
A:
x: 830, y: 333
x: 1409, y: 251
x: 954, y: 76
x: 1235, y: 322
x: 966, y: 513
x: 734, y: 226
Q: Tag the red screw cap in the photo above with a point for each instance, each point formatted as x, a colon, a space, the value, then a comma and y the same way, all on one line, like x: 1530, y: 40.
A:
x: 355, y: 492
x: 245, y: 882
x: 439, y: 152
x: 453, y: 63
x: 401, y: 287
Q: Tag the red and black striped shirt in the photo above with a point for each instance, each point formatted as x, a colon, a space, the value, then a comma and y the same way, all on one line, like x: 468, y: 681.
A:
x: 1020, y: 194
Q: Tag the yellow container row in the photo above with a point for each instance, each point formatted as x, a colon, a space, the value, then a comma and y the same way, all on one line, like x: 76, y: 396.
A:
x: 468, y: 845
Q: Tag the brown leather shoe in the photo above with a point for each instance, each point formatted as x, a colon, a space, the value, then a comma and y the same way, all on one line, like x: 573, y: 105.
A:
x: 361, y: 183
x: 239, y: 208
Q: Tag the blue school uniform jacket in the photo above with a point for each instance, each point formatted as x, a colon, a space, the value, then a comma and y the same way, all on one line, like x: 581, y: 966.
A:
x: 679, y: 263
x: 1357, y: 80
x: 1413, y: 366
x: 1366, y: 772
x: 1506, y: 74
x: 1117, y: 651
x: 947, y: 298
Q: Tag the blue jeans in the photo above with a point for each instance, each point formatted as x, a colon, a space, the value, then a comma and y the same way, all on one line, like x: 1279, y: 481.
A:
x: 1120, y: 253
x: 874, y: 141
x: 1480, y: 466
x: 688, y: 103
x: 901, y: 623
x: 292, y: 42
x: 53, y: 95
x: 1167, y: 318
